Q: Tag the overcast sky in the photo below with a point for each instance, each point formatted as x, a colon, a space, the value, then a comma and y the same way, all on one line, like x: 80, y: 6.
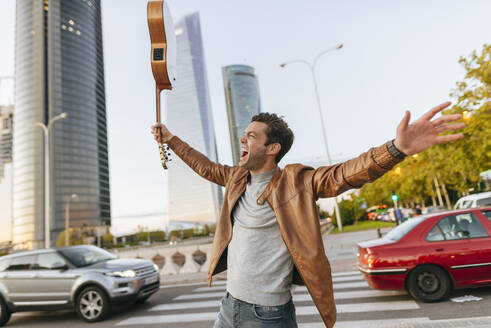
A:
x: 397, y: 55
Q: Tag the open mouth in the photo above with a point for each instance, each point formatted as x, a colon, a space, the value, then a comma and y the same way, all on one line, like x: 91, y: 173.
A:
x: 244, y: 154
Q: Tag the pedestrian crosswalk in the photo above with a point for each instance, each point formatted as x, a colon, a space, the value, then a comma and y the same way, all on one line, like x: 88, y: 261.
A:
x: 357, y: 305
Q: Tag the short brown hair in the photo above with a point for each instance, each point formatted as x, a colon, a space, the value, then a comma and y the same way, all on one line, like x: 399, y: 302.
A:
x: 277, y: 131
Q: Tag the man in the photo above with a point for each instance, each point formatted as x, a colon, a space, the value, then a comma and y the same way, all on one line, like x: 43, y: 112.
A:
x: 268, y: 236
x: 398, y: 215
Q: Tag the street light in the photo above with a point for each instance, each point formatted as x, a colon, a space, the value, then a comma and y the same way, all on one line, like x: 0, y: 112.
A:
x: 46, y: 130
x: 67, y: 217
x: 314, y: 78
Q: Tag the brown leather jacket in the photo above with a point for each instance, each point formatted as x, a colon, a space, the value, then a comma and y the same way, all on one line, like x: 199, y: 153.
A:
x: 291, y: 193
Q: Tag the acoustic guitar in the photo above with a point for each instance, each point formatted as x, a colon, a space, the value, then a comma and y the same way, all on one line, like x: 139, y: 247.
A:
x: 163, y: 56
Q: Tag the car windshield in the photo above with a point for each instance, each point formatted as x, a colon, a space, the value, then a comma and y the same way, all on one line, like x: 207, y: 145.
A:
x: 401, y: 230
x: 82, y: 256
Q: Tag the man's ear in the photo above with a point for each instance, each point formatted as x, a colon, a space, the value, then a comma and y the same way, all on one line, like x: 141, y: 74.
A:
x: 273, y: 149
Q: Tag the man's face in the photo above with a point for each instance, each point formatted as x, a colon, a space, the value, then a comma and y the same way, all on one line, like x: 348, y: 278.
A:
x: 253, y: 155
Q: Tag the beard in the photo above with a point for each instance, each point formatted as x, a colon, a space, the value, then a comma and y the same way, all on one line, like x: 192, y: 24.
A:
x: 254, y: 160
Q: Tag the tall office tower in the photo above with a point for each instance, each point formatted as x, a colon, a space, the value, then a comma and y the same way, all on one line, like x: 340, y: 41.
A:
x: 189, y: 116
x: 243, y: 102
x: 59, y: 68
x: 6, y: 126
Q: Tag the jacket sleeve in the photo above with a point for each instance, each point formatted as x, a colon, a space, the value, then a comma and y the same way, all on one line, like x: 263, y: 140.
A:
x: 209, y: 170
x: 330, y: 181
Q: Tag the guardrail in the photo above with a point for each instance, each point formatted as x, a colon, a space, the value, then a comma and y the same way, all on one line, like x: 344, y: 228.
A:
x: 171, y: 259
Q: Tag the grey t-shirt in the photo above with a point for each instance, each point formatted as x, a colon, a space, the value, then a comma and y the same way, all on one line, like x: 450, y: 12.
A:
x: 259, y: 264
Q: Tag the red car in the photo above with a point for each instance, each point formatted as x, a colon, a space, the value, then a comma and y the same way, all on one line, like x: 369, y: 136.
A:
x: 431, y: 254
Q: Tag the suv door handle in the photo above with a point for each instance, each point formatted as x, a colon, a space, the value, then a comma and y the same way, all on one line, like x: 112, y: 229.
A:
x: 439, y: 250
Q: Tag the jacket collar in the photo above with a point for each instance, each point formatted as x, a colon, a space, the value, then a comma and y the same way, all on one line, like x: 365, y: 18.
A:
x: 244, y: 174
x: 269, y: 188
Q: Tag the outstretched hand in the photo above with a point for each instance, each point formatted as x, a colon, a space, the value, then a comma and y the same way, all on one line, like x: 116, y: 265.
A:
x: 425, y: 132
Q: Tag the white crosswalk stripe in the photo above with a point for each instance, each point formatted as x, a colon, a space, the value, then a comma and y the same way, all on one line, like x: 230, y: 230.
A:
x: 356, y: 280
x: 351, y: 293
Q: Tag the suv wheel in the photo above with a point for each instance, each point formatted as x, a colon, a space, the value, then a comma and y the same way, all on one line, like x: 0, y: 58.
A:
x: 4, y: 312
x: 92, y: 304
x: 428, y: 283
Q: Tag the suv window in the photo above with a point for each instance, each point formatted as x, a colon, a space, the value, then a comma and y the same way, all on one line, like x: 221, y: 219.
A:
x: 25, y: 262
x: 48, y: 261
x: 86, y: 255
x: 4, y: 263
x: 483, y: 202
x: 460, y: 226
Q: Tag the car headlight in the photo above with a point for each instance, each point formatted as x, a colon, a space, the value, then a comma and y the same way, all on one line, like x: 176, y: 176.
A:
x: 156, y: 267
x: 122, y: 274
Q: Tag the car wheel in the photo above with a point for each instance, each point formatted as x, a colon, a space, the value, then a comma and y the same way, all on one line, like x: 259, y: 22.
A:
x: 92, y: 304
x: 428, y: 283
x: 4, y: 312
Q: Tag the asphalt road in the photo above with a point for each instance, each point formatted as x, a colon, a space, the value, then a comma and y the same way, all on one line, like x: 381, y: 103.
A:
x: 196, y: 305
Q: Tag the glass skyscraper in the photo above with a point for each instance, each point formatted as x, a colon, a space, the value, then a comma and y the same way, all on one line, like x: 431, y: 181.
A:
x: 6, y: 127
x: 243, y: 102
x: 59, y: 68
x: 189, y: 116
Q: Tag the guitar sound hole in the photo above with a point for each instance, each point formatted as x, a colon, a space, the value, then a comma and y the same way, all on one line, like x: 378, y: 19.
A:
x: 158, y: 54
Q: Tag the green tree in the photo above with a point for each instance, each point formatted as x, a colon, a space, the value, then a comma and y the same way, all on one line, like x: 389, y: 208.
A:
x: 107, y: 239
x: 158, y: 235
x: 350, y: 210
x: 75, y: 237
x: 455, y: 165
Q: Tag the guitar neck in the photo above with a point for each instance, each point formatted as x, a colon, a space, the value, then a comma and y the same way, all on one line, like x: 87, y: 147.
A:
x: 158, y: 91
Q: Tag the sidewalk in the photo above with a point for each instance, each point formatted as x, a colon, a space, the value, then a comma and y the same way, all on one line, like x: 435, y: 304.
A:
x: 341, y: 248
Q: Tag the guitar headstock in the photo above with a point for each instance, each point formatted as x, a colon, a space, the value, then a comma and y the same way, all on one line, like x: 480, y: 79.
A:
x: 164, y: 155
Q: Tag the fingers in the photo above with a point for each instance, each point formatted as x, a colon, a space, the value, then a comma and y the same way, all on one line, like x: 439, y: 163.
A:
x: 435, y: 110
x: 450, y: 127
x: 157, y: 126
x: 449, y: 138
x: 157, y: 132
x: 405, y: 121
x: 446, y: 119
x: 157, y: 137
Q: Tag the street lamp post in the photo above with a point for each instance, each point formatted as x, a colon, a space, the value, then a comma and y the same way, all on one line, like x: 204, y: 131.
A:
x: 319, y: 107
x: 46, y: 130
x: 67, y: 217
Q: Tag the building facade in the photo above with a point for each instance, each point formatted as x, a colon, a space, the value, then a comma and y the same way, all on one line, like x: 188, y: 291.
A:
x: 59, y: 68
x: 189, y: 115
x: 243, y: 102
x: 6, y: 131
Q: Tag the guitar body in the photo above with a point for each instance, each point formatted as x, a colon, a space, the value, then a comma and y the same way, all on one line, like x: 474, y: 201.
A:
x: 163, y: 55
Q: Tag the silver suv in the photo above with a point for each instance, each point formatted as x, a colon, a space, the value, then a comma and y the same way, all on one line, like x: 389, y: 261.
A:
x: 85, y: 277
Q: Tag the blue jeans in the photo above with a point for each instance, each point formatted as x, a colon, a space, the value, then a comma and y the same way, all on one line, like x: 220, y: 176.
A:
x: 235, y: 313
